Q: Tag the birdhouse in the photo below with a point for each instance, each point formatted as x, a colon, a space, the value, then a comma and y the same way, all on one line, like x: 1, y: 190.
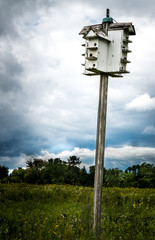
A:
x: 106, y: 47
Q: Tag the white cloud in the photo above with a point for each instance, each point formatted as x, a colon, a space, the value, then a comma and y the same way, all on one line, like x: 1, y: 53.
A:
x: 129, y: 152
x: 114, y: 157
x: 85, y: 154
x: 142, y: 103
x: 149, y: 130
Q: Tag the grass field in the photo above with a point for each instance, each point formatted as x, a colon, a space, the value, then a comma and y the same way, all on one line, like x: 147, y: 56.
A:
x: 50, y: 212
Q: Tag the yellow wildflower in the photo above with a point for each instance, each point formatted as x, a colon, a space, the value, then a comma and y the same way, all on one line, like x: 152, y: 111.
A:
x: 134, y: 205
x: 140, y: 204
x: 56, y: 226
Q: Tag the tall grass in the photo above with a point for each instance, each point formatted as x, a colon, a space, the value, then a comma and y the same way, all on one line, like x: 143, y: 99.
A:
x: 50, y: 212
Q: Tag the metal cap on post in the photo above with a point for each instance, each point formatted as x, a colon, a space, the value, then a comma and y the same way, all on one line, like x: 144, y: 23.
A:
x: 107, y: 20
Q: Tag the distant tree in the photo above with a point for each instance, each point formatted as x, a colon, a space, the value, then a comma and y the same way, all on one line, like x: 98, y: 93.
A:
x: 3, y: 172
x: 34, y: 170
x: 141, y: 176
x: 130, y: 179
x: 134, y: 169
x: 57, y: 161
x: 55, y: 171
x: 83, y: 178
x: 114, y: 178
x: 50, y: 160
x: 17, y: 175
x: 29, y: 163
x: 74, y: 161
x: 35, y: 163
x: 91, y: 175
x: 146, y: 176
x: 129, y: 169
x: 146, y: 170
x: 73, y: 172
x: 32, y: 176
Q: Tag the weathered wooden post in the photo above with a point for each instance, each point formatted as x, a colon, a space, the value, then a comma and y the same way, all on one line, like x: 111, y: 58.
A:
x: 100, y: 144
x: 106, y: 49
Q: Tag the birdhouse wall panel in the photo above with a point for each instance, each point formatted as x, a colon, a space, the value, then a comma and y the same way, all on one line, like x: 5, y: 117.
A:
x: 125, y: 50
x: 92, y: 43
x: 102, y: 55
x: 90, y: 64
x: 114, y: 51
x: 91, y: 53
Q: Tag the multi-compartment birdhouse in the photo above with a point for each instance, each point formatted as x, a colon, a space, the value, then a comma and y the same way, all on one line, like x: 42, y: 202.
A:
x: 106, y: 54
x: 106, y: 47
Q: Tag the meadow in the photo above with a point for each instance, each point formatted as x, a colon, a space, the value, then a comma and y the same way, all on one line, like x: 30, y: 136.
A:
x: 50, y: 212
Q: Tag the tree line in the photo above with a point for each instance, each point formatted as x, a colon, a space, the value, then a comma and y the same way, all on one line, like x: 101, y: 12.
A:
x: 57, y: 171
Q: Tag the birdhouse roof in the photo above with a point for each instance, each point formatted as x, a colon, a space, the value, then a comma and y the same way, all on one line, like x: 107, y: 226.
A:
x: 86, y: 29
x: 94, y: 32
x: 98, y: 28
x: 122, y: 26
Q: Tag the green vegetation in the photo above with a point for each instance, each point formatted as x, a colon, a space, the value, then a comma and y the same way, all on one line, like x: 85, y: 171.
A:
x: 56, y: 171
x: 51, y: 212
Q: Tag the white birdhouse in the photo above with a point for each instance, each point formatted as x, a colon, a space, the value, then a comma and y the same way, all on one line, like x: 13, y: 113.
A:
x: 106, y: 48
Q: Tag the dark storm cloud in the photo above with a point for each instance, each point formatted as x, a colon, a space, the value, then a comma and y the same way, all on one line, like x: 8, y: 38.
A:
x: 11, y: 11
x: 13, y: 124
x: 131, y: 134
x: 27, y: 145
x: 10, y: 70
x: 16, y: 134
x: 8, y: 83
x: 10, y: 87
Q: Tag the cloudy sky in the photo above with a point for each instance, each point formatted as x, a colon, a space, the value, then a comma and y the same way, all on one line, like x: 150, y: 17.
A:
x: 48, y: 108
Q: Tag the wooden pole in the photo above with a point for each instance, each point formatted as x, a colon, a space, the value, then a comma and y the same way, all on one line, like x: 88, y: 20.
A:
x: 100, y: 145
